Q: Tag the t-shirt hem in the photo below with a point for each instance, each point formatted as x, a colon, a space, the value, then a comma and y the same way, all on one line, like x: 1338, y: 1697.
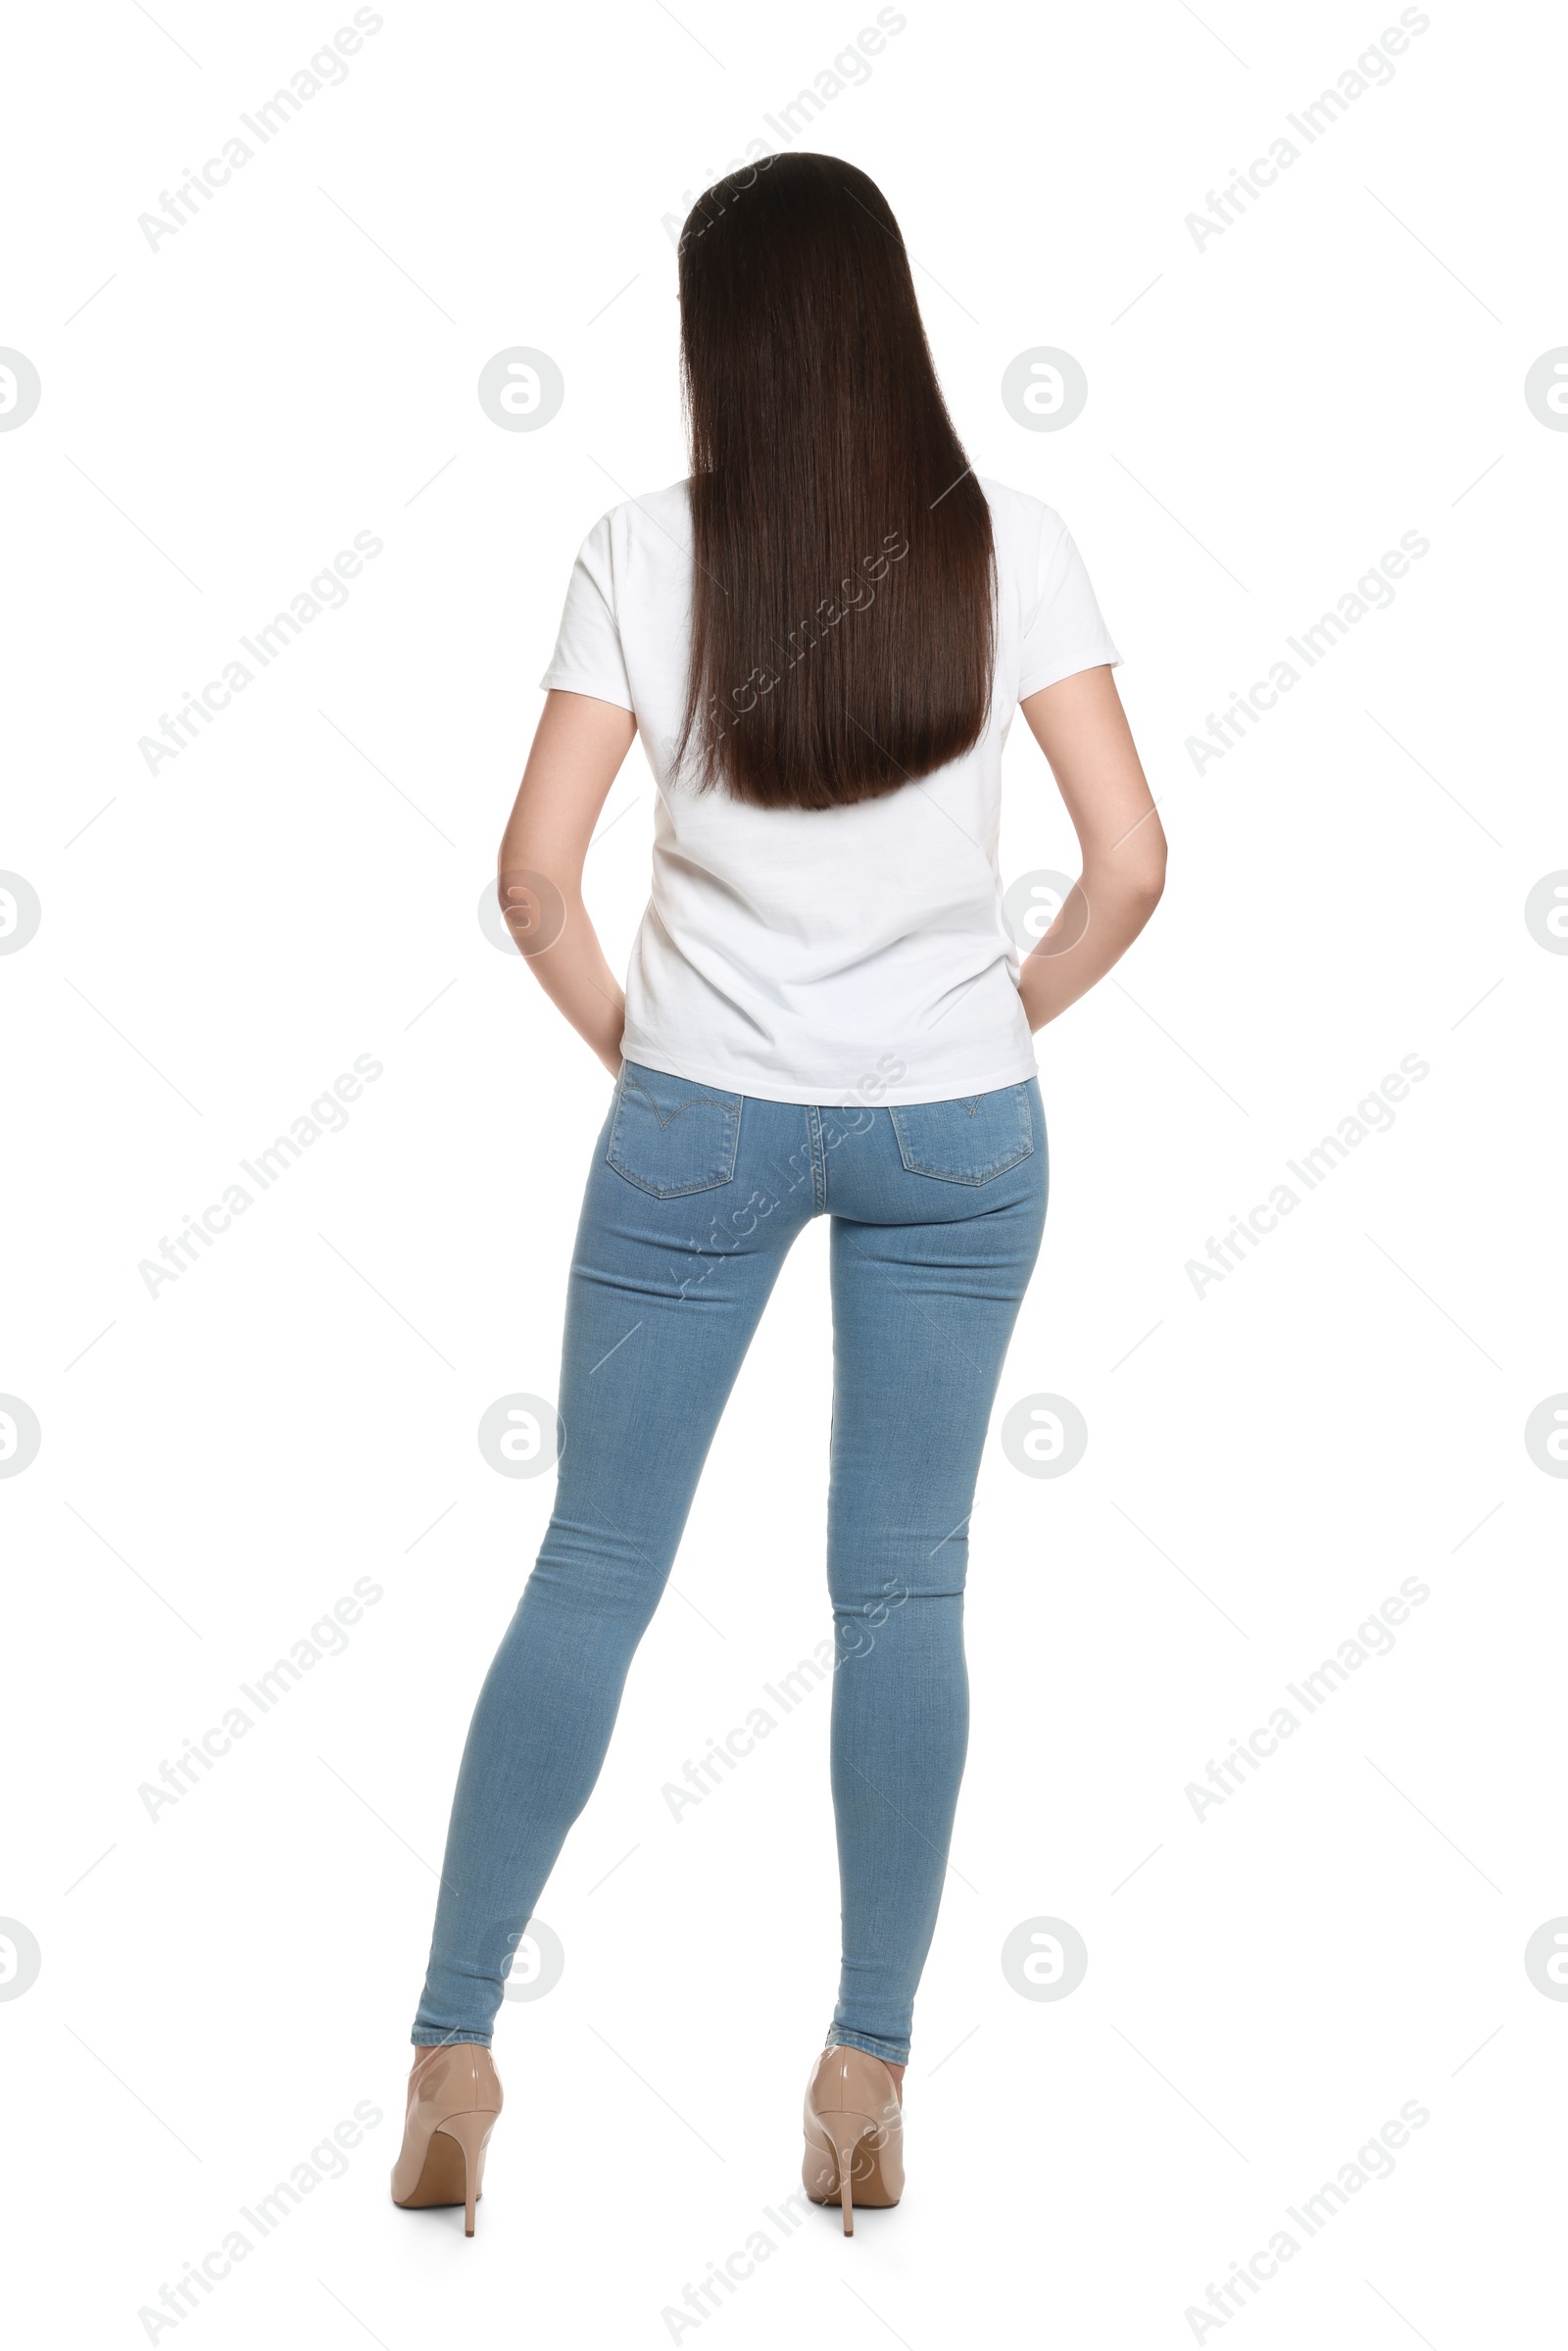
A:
x: 573, y: 681
x: 1109, y: 659
x: 788, y: 1087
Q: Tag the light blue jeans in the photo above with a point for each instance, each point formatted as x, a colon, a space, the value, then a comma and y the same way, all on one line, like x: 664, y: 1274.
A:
x: 693, y: 1199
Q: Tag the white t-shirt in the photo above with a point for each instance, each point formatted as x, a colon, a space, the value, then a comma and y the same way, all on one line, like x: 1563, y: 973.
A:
x: 822, y: 955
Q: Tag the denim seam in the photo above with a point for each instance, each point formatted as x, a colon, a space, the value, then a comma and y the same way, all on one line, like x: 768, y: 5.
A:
x: 814, y: 1120
x: 846, y: 2038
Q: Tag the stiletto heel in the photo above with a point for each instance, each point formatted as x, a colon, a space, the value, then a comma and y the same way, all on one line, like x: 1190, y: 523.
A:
x: 853, y: 2128
x: 845, y: 2133
x: 454, y: 2101
x: 472, y: 2135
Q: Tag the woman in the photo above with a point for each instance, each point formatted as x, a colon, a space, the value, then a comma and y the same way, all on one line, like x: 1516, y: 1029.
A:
x: 821, y: 638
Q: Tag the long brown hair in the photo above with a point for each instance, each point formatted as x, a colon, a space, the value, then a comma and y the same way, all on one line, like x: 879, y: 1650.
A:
x: 842, y: 589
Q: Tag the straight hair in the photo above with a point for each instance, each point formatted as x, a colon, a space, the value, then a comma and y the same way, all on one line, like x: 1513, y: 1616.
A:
x: 843, y: 582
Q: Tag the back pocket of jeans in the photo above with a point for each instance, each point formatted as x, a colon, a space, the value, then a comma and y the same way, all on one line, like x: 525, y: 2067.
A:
x: 968, y: 1140
x: 671, y: 1137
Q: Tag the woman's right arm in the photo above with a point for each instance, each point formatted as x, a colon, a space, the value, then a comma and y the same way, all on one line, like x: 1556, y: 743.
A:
x: 578, y: 753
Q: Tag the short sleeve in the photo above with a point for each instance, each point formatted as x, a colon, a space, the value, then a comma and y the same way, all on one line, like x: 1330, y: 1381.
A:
x: 588, y: 657
x: 1063, y: 631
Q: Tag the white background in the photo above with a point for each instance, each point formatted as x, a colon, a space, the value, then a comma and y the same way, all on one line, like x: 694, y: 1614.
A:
x: 1266, y: 1463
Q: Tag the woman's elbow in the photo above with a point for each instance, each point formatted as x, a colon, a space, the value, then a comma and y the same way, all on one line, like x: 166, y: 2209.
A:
x: 1140, y: 876
x: 1149, y: 867
x: 1150, y: 886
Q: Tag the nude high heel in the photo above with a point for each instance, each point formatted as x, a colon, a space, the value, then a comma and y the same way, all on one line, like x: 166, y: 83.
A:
x: 453, y: 2099
x: 853, y: 2132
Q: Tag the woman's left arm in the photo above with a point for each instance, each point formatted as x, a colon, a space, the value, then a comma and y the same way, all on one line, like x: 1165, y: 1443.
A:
x: 1082, y: 729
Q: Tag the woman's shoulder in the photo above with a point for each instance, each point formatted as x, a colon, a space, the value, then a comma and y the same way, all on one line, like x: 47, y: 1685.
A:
x: 1020, y: 512
x: 652, y: 514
